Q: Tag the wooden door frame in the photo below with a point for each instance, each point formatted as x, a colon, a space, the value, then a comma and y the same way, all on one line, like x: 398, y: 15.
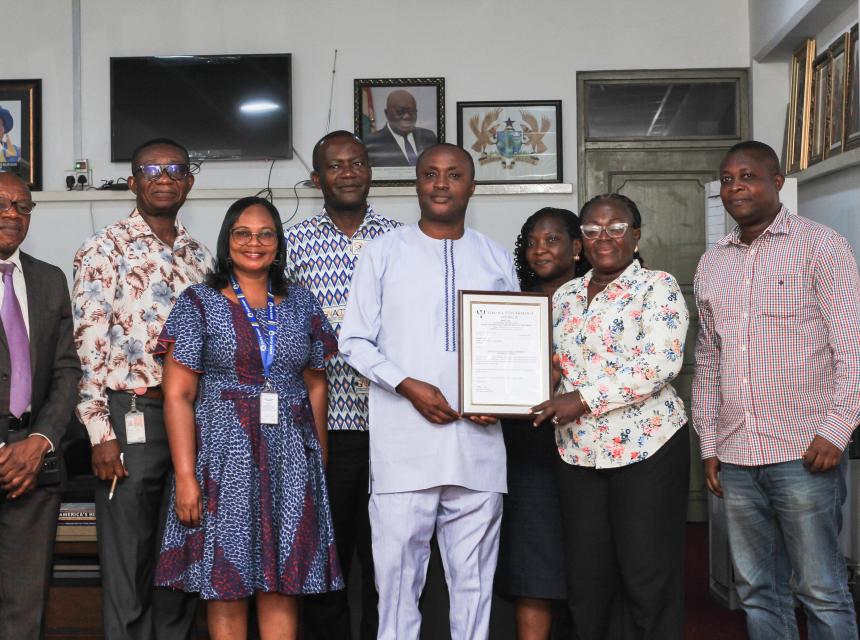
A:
x: 739, y: 75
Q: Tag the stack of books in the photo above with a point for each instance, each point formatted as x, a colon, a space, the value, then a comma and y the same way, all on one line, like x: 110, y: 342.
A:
x: 77, y: 522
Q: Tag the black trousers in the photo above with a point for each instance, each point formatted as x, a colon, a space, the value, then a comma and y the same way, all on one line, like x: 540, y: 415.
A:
x: 624, y: 534
x: 28, y: 527
x: 129, y: 536
x: 326, y: 616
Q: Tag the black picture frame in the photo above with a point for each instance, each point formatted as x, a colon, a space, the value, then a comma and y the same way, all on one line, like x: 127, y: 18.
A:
x: 21, y: 144
x: 513, y: 141
x: 392, y: 162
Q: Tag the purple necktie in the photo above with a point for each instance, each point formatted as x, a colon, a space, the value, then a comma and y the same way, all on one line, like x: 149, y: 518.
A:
x: 19, y: 345
x: 411, y: 157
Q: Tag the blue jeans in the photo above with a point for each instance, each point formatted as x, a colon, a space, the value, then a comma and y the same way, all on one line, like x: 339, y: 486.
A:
x: 783, y: 525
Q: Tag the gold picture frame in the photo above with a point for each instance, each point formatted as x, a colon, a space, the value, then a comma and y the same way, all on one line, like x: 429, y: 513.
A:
x: 801, y: 102
x: 819, y: 110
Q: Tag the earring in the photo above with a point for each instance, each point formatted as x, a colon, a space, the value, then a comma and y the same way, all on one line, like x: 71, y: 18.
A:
x: 229, y: 261
x: 636, y: 249
x: 576, y: 258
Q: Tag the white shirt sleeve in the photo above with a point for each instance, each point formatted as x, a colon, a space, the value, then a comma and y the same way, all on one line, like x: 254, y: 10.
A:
x: 359, y: 333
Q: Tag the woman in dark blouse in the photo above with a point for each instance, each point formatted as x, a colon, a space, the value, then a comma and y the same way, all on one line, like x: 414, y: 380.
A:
x: 531, y: 550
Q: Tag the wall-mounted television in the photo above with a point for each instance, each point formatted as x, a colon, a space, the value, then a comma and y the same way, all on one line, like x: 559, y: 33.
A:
x: 226, y: 107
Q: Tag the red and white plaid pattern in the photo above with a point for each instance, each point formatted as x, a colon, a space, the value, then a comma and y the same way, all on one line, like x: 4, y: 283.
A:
x: 778, y: 351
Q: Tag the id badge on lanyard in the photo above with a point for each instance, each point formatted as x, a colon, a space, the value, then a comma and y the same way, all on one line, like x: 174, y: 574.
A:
x: 268, y: 396
x: 135, y: 428
x: 268, y: 405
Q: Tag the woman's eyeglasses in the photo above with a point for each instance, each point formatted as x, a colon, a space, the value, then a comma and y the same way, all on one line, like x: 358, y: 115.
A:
x: 614, y: 230
x: 266, y: 237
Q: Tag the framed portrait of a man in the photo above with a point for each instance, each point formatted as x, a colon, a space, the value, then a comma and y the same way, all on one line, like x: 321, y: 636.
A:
x: 21, y: 130
x: 398, y: 118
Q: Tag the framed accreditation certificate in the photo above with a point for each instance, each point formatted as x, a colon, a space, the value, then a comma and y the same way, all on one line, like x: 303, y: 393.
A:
x: 505, y: 352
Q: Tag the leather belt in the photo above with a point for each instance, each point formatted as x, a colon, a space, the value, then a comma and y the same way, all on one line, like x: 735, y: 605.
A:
x: 18, y: 424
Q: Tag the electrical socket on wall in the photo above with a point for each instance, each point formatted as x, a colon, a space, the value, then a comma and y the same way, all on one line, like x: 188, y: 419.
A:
x: 81, y: 168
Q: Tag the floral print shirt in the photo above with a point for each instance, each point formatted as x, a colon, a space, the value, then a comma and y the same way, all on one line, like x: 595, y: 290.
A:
x: 126, y: 282
x: 620, y: 353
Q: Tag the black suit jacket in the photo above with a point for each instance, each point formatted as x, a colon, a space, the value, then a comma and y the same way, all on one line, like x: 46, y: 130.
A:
x: 53, y: 358
x: 383, y: 150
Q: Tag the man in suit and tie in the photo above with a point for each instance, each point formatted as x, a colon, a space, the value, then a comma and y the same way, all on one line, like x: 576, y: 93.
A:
x: 400, y: 142
x: 39, y: 372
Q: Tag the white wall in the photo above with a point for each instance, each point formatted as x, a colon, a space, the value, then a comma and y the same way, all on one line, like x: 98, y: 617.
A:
x: 485, y: 49
x: 770, y: 20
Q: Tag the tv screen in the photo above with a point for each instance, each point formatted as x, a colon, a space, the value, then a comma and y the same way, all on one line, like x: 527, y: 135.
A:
x: 220, y: 107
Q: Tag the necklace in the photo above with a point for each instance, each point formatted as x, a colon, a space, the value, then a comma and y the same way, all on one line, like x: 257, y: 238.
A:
x: 600, y: 283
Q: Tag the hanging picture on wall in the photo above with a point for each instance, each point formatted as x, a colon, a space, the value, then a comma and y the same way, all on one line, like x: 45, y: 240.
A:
x: 838, y: 87
x: 21, y: 130
x: 512, y: 142
x: 852, y: 93
x: 801, y: 102
x: 820, y: 109
x: 398, y: 118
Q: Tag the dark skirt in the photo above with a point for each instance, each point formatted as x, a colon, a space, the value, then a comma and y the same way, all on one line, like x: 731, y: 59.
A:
x: 531, y: 545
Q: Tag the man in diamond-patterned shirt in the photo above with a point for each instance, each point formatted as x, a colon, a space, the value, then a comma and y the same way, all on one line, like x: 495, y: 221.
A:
x: 322, y: 252
x: 775, y: 398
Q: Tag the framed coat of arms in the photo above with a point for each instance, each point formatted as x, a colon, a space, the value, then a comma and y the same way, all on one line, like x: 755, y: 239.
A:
x: 512, y: 141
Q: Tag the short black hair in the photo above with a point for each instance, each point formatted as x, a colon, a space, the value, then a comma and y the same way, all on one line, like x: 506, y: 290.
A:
x: 628, y: 204
x: 529, y: 280
x: 340, y: 133
x: 450, y: 146
x: 220, y: 277
x: 168, y: 142
x: 761, y: 150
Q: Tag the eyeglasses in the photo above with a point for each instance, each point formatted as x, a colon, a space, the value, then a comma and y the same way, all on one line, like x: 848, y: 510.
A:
x: 153, y: 172
x: 402, y: 112
x: 266, y: 237
x: 24, y: 207
x: 614, y: 230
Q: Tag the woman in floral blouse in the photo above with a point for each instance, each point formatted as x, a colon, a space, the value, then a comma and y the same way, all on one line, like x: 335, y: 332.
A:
x: 621, y: 432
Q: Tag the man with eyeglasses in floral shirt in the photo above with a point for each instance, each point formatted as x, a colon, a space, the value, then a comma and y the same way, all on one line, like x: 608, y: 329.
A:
x: 127, y: 278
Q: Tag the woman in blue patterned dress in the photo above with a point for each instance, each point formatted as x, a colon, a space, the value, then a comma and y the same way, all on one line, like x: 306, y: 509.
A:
x: 249, y: 509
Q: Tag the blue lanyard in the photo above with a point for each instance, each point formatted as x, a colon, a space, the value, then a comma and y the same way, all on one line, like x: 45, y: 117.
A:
x: 267, y: 352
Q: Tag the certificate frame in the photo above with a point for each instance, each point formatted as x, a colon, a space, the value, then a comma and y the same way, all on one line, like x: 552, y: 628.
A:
x: 467, y: 305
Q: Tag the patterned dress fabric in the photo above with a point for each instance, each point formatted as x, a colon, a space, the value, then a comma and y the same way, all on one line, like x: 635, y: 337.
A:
x: 266, y: 523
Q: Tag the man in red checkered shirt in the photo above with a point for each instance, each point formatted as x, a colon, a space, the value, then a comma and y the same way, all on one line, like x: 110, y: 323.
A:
x: 776, y: 398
